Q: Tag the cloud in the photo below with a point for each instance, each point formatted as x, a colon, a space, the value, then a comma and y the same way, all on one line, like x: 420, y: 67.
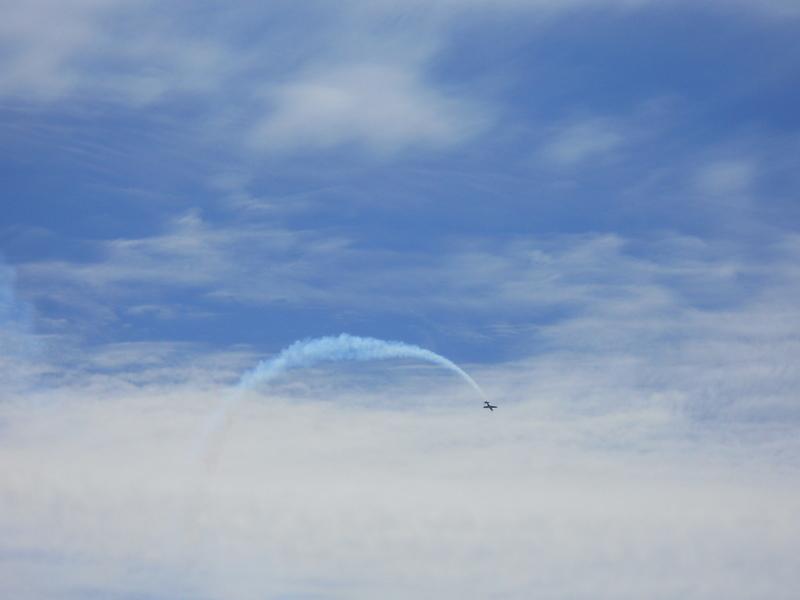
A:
x: 582, y: 140
x: 473, y: 273
x: 645, y: 443
x: 586, y: 141
x: 320, y: 95
x: 19, y: 346
x: 382, y: 106
x: 308, y: 267
x: 80, y: 49
x: 351, y: 495
x: 692, y: 317
x: 42, y: 38
x: 248, y: 85
x: 726, y: 177
x: 190, y: 253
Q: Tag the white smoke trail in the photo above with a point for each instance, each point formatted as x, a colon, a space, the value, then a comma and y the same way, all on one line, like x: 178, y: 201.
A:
x: 307, y: 353
x: 344, y: 347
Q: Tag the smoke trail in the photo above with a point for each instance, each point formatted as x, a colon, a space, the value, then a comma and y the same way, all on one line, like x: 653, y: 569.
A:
x: 307, y: 353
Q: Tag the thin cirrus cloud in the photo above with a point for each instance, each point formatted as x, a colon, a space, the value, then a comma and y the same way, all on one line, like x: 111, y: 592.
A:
x: 685, y: 302
x: 583, y: 140
x: 67, y: 52
x: 59, y: 49
x: 383, y: 107
x: 726, y: 176
x: 192, y: 252
x: 142, y: 56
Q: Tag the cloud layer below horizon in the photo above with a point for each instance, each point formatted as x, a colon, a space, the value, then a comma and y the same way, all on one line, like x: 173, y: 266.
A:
x: 353, y: 496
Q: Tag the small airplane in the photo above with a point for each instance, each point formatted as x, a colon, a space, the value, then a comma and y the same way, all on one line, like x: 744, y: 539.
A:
x: 491, y: 407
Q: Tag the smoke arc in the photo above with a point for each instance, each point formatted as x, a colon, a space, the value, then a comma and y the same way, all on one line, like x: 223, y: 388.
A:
x: 307, y: 353
x: 344, y: 347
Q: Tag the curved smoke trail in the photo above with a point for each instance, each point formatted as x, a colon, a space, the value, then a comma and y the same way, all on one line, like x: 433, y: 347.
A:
x: 307, y: 353
x: 344, y: 347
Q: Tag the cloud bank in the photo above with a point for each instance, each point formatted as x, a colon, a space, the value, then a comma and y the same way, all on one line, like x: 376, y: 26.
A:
x: 339, y: 499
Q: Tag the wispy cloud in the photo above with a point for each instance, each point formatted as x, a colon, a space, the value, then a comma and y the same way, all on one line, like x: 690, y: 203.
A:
x: 726, y: 177
x: 190, y: 253
x: 268, y: 93
x: 18, y: 344
x: 581, y: 140
x: 321, y: 96
x: 474, y: 273
x: 383, y: 106
x: 662, y: 305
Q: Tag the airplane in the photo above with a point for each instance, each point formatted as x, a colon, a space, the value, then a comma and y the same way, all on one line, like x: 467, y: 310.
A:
x: 491, y: 407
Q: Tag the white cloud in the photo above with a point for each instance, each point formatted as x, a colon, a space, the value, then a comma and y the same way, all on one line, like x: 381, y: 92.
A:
x: 115, y: 50
x: 582, y: 140
x: 473, y: 275
x: 340, y: 497
x: 382, y: 106
x: 586, y: 140
x: 686, y: 315
x: 726, y: 177
x: 141, y: 54
x: 321, y: 93
x: 42, y: 38
x: 647, y: 448
x: 191, y: 253
x: 18, y: 344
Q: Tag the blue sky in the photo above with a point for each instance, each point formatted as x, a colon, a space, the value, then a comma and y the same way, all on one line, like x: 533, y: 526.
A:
x: 591, y: 206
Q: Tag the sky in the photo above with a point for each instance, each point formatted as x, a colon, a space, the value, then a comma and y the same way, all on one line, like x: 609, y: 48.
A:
x: 589, y: 206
